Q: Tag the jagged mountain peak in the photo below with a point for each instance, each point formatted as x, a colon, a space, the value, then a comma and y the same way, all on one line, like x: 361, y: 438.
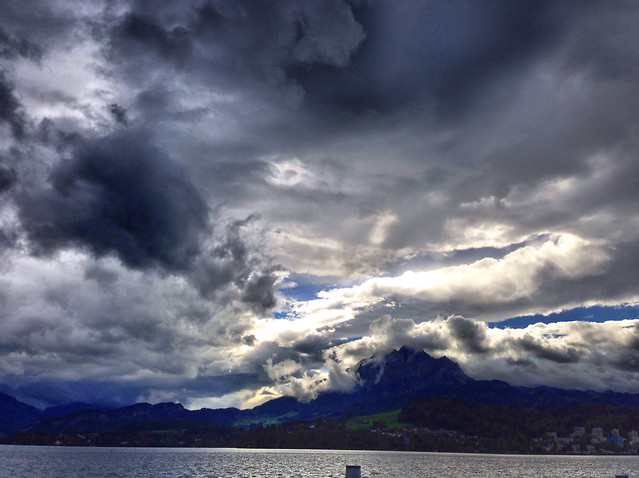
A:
x: 410, y: 369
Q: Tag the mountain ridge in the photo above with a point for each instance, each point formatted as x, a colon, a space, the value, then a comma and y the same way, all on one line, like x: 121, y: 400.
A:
x: 14, y: 414
x: 385, y: 383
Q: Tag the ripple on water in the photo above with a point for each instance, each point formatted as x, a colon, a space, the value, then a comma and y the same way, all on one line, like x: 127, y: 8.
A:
x: 232, y: 463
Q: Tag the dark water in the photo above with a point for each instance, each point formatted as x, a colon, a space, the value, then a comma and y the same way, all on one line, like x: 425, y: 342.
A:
x: 23, y: 461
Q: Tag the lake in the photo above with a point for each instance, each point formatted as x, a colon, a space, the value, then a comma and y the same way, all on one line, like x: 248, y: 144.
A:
x: 26, y: 461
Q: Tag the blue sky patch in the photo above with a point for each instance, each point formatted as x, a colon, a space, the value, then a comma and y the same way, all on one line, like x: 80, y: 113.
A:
x: 597, y: 313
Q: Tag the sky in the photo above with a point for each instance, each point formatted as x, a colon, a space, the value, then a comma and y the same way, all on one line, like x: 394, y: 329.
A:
x: 222, y: 202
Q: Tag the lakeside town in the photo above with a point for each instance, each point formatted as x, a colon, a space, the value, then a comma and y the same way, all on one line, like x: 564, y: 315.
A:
x: 596, y: 441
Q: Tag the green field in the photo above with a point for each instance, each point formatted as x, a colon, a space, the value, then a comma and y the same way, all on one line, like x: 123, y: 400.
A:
x: 249, y: 421
x: 366, y: 421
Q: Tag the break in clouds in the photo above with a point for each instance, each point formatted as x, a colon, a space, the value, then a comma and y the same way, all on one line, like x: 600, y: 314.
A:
x: 221, y: 202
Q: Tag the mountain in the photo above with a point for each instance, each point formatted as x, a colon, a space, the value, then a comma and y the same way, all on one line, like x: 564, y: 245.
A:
x: 406, y: 370
x: 61, y: 410
x: 394, y: 380
x: 15, y: 415
x: 385, y: 383
x: 411, y: 373
x: 97, y: 420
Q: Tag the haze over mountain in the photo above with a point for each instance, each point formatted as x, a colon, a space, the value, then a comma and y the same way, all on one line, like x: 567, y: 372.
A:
x: 219, y: 203
x: 385, y: 383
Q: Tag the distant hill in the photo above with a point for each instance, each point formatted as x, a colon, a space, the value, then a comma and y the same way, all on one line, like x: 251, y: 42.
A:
x: 15, y: 415
x: 61, y: 410
x: 97, y: 420
x: 387, y: 382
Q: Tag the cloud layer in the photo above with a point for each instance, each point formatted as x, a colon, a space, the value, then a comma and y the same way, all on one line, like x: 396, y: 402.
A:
x: 178, y: 181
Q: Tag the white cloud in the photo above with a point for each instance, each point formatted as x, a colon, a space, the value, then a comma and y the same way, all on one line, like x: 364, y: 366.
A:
x: 487, y: 283
x: 583, y: 355
x: 282, y: 369
x: 492, y: 281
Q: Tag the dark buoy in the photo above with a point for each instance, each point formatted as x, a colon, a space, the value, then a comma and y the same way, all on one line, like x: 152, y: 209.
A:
x: 353, y: 471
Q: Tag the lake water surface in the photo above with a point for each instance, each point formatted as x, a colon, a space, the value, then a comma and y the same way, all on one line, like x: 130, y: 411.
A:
x: 25, y: 461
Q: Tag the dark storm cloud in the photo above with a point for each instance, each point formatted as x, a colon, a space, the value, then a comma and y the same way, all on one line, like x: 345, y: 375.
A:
x: 10, y: 107
x: 239, y: 42
x: 314, y: 346
x: 234, y: 261
x: 7, y: 240
x: 157, y: 103
x: 119, y: 195
x: 441, y: 51
x: 567, y: 131
x: 259, y: 292
x: 626, y: 360
x: 277, y: 353
x: 140, y: 35
x: 119, y: 113
x: 610, y: 284
x: 633, y: 343
x: 564, y: 147
x: 12, y: 47
x: 523, y: 363
x: 470, y: 333
x: 103, y: 276
x: 7, y: 178
x: 295, y: 32
x: 539, y: 350
x: 31, y: 24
